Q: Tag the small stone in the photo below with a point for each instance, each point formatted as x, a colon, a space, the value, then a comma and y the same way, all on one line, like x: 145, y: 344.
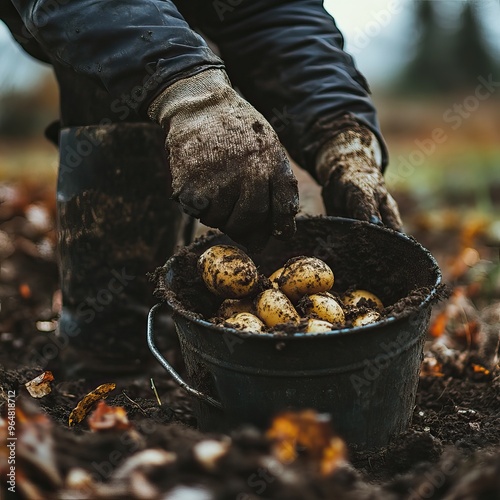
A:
x: 40, y: 386
x: 6, y: 246
x: 209, y: 452
x: 79, y: 479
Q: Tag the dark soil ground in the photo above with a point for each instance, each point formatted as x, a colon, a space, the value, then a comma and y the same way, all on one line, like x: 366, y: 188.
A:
x: 451, y: 450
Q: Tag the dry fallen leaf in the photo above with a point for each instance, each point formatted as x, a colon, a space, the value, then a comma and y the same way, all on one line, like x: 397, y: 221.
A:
x: 85, y: 405
x: 480, y: 369
x: 35, y: 448
x: 333, y: 454
x: 431, y: 367
x: 144, y: 461
x: 40, y: 386
x: 438, y: 326
x: 106, y: 417
x: 25, y: 291
x: 310, y: 433
x: 209, y: 451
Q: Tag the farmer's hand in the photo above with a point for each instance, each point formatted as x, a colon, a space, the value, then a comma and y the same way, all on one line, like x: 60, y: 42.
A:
x: 228, y: 166
x: 348, y: 168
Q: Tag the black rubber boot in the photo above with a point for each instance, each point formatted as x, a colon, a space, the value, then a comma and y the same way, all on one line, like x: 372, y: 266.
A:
x: 116, y: 223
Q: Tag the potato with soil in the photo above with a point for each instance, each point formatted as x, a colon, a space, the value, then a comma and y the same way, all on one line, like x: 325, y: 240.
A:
x: 274, y: 278
x: 325, y: 307
x: 246, y: 322
x: 228, y: 272
x: 354, y: 297
x: 232, y: 307
x: 318, y: 326
x: 366, y: 318
x: 305, y: 275
x: 273, y: 308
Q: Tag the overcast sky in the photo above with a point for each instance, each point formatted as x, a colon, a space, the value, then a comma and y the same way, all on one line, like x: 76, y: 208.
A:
x: 379, y: 32
x: 375, y: 32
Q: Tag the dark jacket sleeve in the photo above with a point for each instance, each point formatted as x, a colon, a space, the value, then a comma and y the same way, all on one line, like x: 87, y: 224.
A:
x: 10, y: 16
x: 287, y: 58
x: 134, y: 48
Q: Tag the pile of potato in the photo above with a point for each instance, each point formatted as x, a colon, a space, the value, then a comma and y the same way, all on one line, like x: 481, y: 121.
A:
x: 303, y: 284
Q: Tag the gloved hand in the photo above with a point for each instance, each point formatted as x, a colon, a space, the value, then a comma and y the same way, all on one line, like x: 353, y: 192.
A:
x: 348, y: 168
x: 228, y: 166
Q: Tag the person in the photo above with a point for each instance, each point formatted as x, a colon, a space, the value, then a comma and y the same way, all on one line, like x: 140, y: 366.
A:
x: 147, y: 105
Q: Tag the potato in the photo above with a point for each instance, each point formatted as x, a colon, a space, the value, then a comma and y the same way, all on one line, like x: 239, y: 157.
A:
x: 275, y: 277
x: 305, y: 275
x: 232, y: 307
x: 228, y: 272
x: 246, y: 322
x: 365, y: 318
x: 325, y: 307
x: 318, y: 326
x: 353, y: 298
x: 273, y: 307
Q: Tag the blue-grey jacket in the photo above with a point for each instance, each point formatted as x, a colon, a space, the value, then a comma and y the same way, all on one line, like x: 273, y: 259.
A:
x: 285, y: 56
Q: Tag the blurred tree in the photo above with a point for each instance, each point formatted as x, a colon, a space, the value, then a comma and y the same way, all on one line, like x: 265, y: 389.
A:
x: 424, y: 74
x: 471, y: 56
x: 27, y: 113
x: 446, y: 60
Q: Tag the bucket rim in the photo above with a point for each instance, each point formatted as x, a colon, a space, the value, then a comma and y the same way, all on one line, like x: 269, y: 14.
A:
x: 341, y: 332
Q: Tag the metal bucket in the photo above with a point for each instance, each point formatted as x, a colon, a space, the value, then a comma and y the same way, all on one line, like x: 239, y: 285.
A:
x: 365, y: 377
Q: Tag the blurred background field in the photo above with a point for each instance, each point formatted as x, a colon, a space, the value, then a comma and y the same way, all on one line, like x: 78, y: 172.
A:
x: 422, y: 59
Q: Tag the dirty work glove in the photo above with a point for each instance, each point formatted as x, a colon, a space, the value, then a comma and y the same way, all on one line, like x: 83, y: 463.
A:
x: 348, y: 168
x: 228, y: 166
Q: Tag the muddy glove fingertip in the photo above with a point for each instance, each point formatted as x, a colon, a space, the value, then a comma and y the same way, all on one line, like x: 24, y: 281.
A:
x: 390, y: 214
x: 376, y: 220
x: 285, y: 202
x: 284, y: 228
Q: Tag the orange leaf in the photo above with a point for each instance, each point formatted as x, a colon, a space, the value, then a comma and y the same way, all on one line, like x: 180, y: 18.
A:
x: 106, y: 417
x: 309, y: 433
x: 85, y: 405
x: 480, y: 369
x: 438, y: 327
x: 431, y: 367
x: 25, y: 290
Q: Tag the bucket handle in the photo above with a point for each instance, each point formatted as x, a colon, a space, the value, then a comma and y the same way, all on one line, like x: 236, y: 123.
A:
x: 156, y: 353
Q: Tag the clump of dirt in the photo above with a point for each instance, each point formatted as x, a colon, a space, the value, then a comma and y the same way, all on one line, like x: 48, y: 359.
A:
x: 184, y: 288
x: 289, y: 328
x: 412, y: 302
